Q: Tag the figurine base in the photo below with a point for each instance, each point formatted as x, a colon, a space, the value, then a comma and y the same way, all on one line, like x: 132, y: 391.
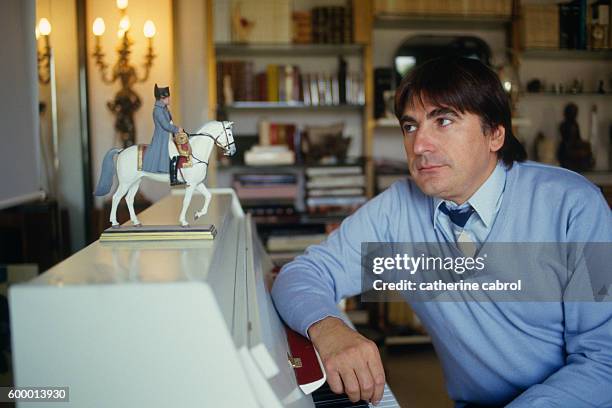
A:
x: 158, y: 233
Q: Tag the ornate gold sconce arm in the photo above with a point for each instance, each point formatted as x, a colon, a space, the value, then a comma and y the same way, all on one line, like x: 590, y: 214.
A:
x: 149, y: 57
x: 44, y: 62
x: 98, y: 55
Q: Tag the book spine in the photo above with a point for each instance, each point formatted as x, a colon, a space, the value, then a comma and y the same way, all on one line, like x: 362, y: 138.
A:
x: 342, y: 66
x: 272, y: 79
x: 582, y: 30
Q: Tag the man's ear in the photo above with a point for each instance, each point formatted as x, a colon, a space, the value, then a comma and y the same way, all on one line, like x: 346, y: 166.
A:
x: 498, y: 135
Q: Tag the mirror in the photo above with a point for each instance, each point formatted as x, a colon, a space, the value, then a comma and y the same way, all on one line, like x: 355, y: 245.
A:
x: 421, y: 48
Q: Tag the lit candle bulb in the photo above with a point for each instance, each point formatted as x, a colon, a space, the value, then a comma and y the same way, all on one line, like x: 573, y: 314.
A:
x: 124, y: 23
x: 122, y: 4
x: 44, y: 26
x: 98, y: 27
x: 149, y: 29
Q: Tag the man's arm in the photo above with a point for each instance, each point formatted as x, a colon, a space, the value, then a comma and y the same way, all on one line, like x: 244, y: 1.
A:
x: 307, y: 290
x: 352, y: 362
x: 586, y: 378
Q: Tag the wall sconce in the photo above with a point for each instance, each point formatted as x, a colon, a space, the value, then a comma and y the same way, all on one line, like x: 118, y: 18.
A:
x: 126, y: 102
x: 44, y: 55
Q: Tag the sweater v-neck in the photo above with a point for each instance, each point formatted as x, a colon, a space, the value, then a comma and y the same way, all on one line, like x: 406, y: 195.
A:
x: 500, y: 223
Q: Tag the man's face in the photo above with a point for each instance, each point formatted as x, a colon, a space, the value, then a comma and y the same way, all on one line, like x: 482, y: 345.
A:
x: 166, y: 100
x: 449, y: 156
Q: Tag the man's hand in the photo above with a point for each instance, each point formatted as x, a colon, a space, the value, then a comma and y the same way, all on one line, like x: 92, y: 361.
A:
x: 351, y: 361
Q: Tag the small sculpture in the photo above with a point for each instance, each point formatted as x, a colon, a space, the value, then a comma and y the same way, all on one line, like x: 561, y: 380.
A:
x: 156, y: 159
x: 129, y: 174
x: 573, y: 153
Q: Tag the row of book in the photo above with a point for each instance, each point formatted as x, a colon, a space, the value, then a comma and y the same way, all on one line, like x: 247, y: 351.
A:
x: 323, y: 25
x: 334, y: 189
x: 238, y: 82
x: 576, y: 24
x: 266, y: 188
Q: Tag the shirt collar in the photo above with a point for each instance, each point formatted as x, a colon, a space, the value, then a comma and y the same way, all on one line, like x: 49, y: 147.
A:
x: 485, y: 200
x: 160, y: 104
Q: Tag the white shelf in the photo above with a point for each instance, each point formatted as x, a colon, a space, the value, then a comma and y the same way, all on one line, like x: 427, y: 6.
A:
x: 566, y: 54
x: 389, y: 123
x: 446, y: 21
x: 289, y: 106
x: 563, y: 95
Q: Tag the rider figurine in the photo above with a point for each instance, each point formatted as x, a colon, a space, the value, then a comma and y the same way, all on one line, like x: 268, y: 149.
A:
x: 156, y: 158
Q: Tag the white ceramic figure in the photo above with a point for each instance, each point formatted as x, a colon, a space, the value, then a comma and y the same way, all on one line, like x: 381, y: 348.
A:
x: 212, y: 134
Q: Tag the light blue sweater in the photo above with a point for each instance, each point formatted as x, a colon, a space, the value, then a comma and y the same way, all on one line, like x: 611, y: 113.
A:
x: 545, y: 354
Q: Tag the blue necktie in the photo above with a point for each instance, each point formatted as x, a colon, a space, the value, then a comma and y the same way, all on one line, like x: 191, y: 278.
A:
x: 459, y: 216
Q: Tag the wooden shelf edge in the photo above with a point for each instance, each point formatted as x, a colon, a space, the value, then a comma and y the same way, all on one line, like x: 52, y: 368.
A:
x: 408, y: 339
x: 290, y: 49
x: 554, y: 53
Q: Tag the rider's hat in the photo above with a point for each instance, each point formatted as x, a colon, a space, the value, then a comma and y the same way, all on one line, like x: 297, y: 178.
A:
x: 161, y: 92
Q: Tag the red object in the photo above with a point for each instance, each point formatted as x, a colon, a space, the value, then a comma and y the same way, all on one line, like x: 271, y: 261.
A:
x: 182, y: 159
x: 311, y: 372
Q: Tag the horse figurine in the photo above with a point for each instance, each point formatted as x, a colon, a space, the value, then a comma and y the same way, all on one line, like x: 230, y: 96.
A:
x: 212, y: 134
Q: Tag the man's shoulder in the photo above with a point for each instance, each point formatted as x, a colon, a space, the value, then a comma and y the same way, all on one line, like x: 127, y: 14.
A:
x: 552, y: 178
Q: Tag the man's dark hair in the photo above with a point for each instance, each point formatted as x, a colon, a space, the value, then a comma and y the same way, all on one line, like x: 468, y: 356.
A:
x: 466, y: 85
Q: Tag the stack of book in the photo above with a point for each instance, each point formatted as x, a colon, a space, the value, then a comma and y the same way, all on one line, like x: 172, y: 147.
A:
x: 274, y: 155
x: 332, y: 24
x: 266, y: 187
x: 333, y: 190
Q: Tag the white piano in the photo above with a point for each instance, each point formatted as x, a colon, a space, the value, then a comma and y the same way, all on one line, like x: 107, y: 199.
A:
x: 161, y: 324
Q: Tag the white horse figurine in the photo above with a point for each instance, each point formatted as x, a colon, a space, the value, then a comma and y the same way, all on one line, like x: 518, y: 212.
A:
x: 212, y: 134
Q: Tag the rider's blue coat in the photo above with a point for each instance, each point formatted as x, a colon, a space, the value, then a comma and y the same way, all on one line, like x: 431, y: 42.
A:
x: 156, y: 158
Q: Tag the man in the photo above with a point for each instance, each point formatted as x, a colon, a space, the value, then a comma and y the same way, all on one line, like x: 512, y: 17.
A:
x: 469, y: 182
x: 156, y: 158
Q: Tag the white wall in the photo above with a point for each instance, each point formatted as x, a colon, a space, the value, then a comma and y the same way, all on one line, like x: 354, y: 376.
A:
x: 191, y: 69
x: 101, y: 120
